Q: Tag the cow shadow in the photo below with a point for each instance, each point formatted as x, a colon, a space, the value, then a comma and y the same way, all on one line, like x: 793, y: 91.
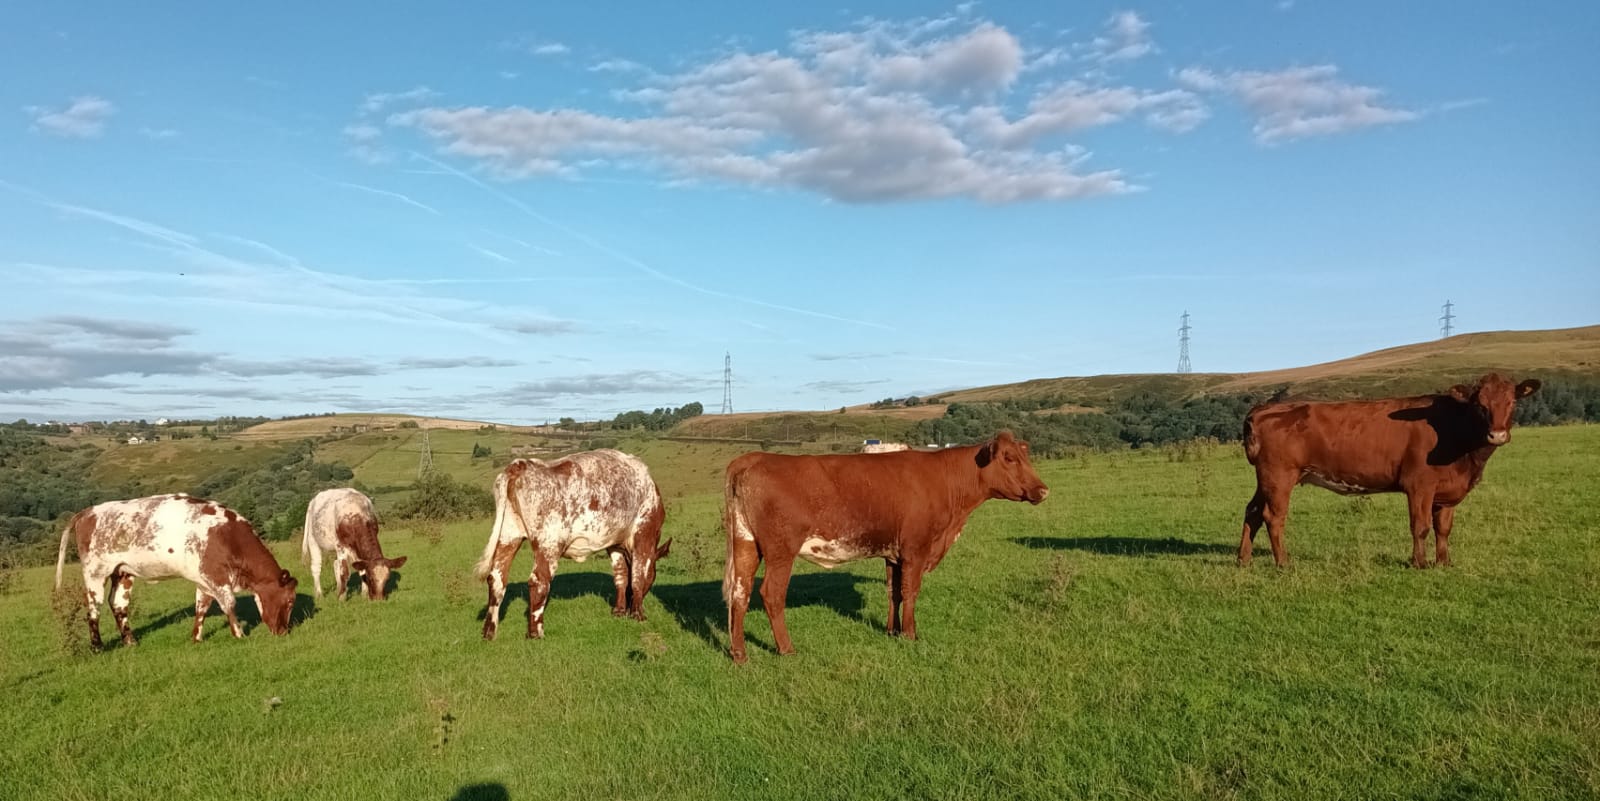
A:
x: 355, y: 586
x: 562, y: 587
x: 699, y: 609
x: 1127, y: 546
x: 494, y: 791
x: 244, y: 608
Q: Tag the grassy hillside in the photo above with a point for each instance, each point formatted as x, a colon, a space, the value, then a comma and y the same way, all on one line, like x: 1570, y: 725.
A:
x: 1409, y: 369
x: 300, y: 428
x: 1101, y: 645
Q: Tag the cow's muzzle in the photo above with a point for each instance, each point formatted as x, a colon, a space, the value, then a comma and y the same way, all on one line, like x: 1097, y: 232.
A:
x: 1037, y: 495
x: 1499, y: 437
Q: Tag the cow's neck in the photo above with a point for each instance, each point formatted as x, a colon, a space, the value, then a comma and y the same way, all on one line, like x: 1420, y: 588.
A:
x: 252, y: 564
x: 966, y: 488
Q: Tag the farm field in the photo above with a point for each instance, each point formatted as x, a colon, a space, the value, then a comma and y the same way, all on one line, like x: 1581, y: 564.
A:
x: 1100, y: 645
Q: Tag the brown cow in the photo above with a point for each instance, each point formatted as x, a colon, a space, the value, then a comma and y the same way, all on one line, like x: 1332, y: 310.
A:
x: 1431, y: 447
x: 163, y: 536
x: 906, y: 508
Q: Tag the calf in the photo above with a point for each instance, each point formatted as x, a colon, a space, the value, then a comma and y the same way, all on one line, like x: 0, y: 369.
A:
x: 163, y: 536
x: 1433, y: 448
x: 572, y: 507
x: 905, y: 507
x: 342, y: 521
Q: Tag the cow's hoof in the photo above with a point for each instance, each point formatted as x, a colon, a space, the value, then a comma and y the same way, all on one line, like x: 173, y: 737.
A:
x: 639, y: 616
x: 739, y: 657
x: 619, y: 613
x: 488, y: 634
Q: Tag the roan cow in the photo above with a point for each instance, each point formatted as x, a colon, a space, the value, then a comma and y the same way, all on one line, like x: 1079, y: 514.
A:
x: 342, y: 521
x: 906, y: 508
x: 572, y: 507
x: 163, y: 536
x: 1431, y: 447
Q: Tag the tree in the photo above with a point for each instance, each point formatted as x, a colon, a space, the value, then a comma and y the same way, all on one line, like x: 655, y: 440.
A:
x: 480, y: 451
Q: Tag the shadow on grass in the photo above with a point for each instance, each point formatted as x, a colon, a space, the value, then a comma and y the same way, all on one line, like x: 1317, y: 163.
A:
x: 567, y: 587
x: 1126, y: 546
x: 244, y: 608
x: 482, y: 792
x: 699, y: 609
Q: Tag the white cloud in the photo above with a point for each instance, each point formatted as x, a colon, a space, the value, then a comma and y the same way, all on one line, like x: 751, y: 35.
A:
x: 549, y: 49
x: 490, y: 254
x: 378, y: 101
x: 365, y: 143
x: 158, y: 133
x: 1299, y: 102
x: 878, y: 113
x: 1127, y: 37
x: 618, y: 65
x: 84, y: 118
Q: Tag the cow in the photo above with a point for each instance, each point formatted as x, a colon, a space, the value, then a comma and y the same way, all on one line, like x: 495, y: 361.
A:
x: 342, y: 521
x: 906, y: 508
x: 1433, y: 448
x: 572, y: 507
x: 163, y: 536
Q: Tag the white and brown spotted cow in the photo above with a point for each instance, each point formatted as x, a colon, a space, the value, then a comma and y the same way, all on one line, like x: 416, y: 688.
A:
x: 573, y: 507
x: 163, y: 536
x: 342, y: 521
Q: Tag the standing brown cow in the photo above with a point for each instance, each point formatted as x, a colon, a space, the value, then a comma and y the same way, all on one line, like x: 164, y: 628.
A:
x: 1431, y: 447
x: 906, y: 508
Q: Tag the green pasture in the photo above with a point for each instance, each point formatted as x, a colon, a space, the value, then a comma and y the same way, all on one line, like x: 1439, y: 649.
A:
x: 1101, y: 645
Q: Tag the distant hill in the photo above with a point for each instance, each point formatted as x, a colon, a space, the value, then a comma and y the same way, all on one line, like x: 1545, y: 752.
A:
x: 1408, y: 369
x: 300, y: 427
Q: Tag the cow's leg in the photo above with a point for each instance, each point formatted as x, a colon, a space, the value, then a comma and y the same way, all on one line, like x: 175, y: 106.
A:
x: 619, y: 577
x: 636, y: 588
x: 910, y: 586
x: 94, y: 588
x: 1276, y: 511
x: 1420, y: 505
x: 1443, y: 518
x: 544, y: 571
x: 499, y: 567
x: 202, y: 604
x: 225, y: 600
x: 891, y: 569
x: 1255, y: 514
x: 316, y: 567
x: 774, y: 591
x: 341, y: 574
x: 743, y: 561
x: 121, y: 600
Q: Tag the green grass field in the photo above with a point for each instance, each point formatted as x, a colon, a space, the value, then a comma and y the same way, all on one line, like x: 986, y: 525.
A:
x: 1101, y: 645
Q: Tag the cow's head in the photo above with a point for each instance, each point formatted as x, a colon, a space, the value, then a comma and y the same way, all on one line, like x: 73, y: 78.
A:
x: 1005, y: 471
x: 375, y: 575
x: 1494, y: 399
x: 650, y: 564
x: 276, y: 598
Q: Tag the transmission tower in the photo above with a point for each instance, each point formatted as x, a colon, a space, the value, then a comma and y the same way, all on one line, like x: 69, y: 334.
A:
x: 425, y: 461
x: 1447, y: 320
x: 727, y: 383
x: 1183, y: 345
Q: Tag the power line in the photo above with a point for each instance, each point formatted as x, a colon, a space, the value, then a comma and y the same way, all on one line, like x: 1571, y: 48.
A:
x: 1183, y: 345
x: 727, y: 383
x: 1447, y: 320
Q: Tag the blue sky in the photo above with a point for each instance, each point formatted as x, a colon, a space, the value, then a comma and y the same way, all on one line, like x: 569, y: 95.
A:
x: 523, y: 211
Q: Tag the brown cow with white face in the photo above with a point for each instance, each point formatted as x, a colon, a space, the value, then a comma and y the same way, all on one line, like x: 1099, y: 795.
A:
x: 343, y: 521
x: 1433, y: 448
x: 175, y: 535
x: 906, y: 508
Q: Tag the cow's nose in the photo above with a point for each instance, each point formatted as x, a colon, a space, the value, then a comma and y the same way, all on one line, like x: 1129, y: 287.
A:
x: 1040, y: 494
x: 1499, y: 437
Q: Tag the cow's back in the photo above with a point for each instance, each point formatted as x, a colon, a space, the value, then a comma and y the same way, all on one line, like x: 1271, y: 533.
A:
x: 329, y: 506
x: 1365, y: 444
x: 156, y: 537
x: 842, y: 493
x: 581, y: 503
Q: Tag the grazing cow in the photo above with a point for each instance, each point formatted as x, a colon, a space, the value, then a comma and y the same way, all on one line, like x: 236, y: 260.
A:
x: 572, y: 507
x: 906, y: 508
x: 342, y: 521
x: 1431, y: 447
x: 175, y: 535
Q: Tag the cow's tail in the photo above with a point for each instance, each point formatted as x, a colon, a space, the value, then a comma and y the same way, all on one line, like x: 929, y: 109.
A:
x: 1252, y: 444
x: 61, y: 555
x: 486, y: 562
x: 731, y: 522
x: 305, y: 543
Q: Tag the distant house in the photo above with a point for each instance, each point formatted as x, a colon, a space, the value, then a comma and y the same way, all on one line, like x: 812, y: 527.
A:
x: 161, y: 422
x: 136, y: 440
x: 874, y: 446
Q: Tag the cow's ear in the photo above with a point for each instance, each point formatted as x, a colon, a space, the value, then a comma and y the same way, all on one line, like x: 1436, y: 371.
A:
x: 663, y: 549
x: 394, y: 564
x: 1461, y: 392
x: 358, y: 566
x: 1528, y: 387
x: 284, y: 579
x: 986, y: 454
